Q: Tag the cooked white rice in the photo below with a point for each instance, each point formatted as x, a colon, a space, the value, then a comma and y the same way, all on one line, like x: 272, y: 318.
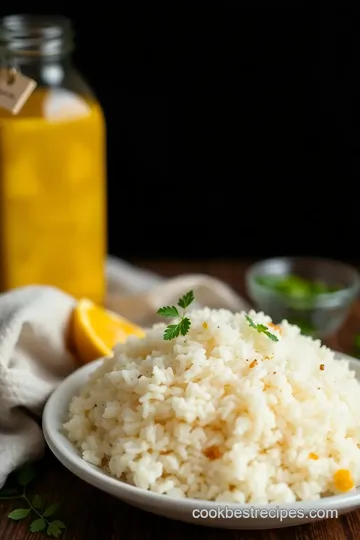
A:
x: 223, y: 414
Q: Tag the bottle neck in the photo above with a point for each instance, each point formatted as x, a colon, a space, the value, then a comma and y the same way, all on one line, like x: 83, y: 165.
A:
x: 38, y: 46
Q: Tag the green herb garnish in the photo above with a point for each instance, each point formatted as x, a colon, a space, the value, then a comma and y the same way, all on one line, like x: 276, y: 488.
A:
x: 182, y: 327
x: 34, y: 505
x: 261, y: 328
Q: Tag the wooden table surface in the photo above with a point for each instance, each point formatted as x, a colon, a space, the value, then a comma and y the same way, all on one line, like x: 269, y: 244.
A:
x: 92, y: 515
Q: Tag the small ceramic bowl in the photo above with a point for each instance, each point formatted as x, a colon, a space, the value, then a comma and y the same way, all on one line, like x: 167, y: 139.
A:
x: 210, y: 514
x: 315, y: 294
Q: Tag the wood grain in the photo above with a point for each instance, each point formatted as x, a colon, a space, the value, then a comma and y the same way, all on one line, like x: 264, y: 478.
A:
x: 92, y: 515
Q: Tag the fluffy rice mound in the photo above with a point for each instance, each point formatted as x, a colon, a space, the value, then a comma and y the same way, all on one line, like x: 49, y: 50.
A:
x: 224, y: 413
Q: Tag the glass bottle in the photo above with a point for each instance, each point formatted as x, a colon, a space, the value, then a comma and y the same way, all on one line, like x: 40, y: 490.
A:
x: 52, y: 165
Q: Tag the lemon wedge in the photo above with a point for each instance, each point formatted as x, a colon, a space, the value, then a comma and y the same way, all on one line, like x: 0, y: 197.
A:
x: 95, y: 330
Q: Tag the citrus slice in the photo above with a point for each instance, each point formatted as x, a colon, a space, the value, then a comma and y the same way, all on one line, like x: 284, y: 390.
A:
x: 95, y: 331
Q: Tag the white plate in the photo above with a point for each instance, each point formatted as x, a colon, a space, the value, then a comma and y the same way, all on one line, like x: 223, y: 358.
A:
x: 213, y: 513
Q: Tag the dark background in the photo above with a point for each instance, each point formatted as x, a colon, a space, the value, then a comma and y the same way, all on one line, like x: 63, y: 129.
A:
x: 232, y: 132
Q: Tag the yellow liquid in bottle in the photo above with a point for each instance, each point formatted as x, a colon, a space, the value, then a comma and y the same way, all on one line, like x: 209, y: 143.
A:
x: 53, y: 195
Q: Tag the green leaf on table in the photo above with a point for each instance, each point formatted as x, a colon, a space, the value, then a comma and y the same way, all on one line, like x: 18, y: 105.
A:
x: 37, y: 501
x: 19, y: 513
x: 55, y: 528
x: 37, y: 525
x: 26, y: 475
x: 50, y: 510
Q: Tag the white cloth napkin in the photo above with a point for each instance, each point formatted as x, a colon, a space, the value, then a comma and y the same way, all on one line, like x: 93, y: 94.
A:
x: 33, y: 343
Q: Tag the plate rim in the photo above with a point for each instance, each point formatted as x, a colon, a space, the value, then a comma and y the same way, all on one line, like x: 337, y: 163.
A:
x: 69, y: 456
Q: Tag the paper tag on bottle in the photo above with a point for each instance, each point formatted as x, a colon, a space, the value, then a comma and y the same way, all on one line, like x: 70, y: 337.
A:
x: 15, y: 89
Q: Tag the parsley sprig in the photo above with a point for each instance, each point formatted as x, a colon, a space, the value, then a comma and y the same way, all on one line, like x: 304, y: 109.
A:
x: 34, y: 505
x: 261, y: 328
x: 182, y: 327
